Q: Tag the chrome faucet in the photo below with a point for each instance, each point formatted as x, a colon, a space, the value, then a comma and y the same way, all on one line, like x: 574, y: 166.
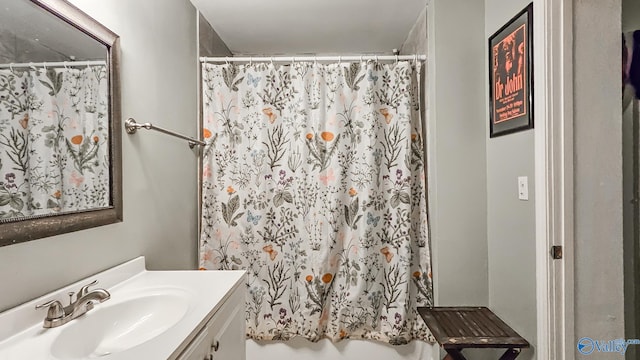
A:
x: 59, y: 315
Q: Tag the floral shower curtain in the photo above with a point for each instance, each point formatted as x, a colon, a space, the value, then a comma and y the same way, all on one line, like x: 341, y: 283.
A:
x: 54, y: 154
x: 314, y: 182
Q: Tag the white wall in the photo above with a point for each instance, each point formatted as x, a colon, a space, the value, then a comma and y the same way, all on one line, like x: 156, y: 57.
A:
x: 510, y: 222
x: 158, y: 85
x: 456, y: 150
x: 599, y: 303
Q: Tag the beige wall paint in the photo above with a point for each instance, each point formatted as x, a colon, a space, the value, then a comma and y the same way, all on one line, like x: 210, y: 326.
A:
x: 159, y: 85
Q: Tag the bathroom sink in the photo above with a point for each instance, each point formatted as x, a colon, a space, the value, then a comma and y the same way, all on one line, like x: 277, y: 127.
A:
x: 112, y: 328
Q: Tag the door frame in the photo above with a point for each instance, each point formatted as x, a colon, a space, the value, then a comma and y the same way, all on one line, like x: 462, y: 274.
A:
x: 553, y: 134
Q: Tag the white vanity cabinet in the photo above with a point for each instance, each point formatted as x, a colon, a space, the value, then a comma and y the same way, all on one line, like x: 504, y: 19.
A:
x: 223, y: 336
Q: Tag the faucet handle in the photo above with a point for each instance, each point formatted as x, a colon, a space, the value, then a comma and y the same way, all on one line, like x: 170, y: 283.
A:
x: 85, y: 289
x: 55, y: 309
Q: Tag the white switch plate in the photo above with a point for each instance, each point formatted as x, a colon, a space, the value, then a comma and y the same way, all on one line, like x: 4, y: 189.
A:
x: 523, y: 188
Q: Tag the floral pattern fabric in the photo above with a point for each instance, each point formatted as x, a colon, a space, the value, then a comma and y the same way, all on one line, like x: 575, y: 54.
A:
x: 54, y: 154
x: 314, y: 182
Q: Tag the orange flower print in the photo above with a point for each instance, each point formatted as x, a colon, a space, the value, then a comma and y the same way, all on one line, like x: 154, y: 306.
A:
x: 309, y: 136
x: 353, y: 192
x: 416, y: 274
x: 270, y: 114
x: 326, y: 278
x: 57, y: 194
x: 206, y: 133
x: 326, y: 136
x: 414, y: 137
x: 24, y: 122
x: 202, y: 269
x: 77, y: 140
x: 343, y: 334
x: 269, y: 250
x: 388, y: 255
x: 96, y: 139
x: 429, y: 274
x: 386, y: 114
x: 309, y: 278
x: 230, y: 190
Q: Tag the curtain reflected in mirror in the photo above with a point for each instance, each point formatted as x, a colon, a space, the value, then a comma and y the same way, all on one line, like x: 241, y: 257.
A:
x: 54, y: 140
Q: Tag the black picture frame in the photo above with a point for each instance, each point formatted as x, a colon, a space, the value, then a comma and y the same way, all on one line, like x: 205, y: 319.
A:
x: 511, y: 75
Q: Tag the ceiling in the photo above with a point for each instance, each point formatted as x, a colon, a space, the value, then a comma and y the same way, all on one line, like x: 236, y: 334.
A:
x: 270, y: 27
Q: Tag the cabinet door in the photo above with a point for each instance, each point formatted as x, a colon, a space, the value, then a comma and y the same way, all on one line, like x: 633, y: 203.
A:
x: 200, y: 347
x: 223, y: 337
x: 229, y: 333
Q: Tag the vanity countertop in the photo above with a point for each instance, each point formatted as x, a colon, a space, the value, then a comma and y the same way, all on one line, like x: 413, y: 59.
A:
x: 23, y: 337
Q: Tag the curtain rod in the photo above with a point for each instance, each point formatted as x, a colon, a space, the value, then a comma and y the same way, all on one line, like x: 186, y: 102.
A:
x: 131, y: 126
x: 313, y: 58
x: 53, y: 64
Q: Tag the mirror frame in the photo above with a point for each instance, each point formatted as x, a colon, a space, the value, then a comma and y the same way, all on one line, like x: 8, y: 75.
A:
x: 32, y: 228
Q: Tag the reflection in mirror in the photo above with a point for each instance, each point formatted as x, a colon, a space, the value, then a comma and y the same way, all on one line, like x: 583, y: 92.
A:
x: 59, y: 121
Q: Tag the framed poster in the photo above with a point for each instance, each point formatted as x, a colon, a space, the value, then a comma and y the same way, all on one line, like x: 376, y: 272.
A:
x: 511, y: 75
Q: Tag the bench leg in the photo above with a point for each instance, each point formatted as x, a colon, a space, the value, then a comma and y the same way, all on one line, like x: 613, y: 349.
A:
x: 454, y: 354
x: 510, y: 354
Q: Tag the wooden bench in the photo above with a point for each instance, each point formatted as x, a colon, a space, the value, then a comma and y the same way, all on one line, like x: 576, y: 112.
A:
x: 458, y: 328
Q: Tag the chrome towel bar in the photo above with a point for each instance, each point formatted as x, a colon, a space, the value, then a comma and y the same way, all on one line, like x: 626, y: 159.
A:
x: 131, y: 126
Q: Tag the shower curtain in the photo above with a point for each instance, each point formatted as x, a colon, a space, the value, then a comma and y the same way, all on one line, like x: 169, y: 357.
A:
x: 53, y: 140
x: 314, y: 182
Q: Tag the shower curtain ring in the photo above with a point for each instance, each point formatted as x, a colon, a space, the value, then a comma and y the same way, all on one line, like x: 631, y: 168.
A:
x: 293, y: 60
x: 65, y: 65
x: 376, y: 59
x: 397, y: 58
x: 226, y: 59
x: 339, y: 60
x: 315, y: 60
x: 250, y: 60
x: 11, y: 67
x: 271, y: 59
x: 361, y: 58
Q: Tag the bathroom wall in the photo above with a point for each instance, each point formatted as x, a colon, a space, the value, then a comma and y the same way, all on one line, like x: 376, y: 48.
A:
x: 456, y: 151
x: 599, y: 300
x: 510, y: 222
x: 209, y: 42
x: 159, y: 85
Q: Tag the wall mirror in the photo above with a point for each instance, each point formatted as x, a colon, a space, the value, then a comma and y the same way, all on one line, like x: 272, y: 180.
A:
x: 60, y: 151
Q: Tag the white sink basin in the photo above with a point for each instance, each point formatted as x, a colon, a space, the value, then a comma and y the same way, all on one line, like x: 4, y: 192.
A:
x: 111, y: 328
x: 150, y: 315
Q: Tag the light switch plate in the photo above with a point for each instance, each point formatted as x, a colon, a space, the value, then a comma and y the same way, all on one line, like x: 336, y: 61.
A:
x: 523, y: 188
